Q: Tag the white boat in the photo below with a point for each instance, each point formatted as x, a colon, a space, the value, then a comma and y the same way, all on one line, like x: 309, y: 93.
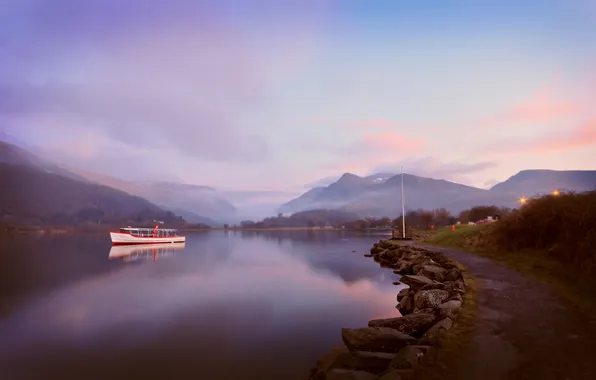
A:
x: 132, y: 235
x: 135, y: 252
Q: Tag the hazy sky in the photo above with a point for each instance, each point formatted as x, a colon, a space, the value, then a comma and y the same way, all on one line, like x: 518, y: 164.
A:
x: 254, y: 95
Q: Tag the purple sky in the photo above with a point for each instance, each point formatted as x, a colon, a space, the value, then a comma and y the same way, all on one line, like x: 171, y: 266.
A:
x: 268, y: 95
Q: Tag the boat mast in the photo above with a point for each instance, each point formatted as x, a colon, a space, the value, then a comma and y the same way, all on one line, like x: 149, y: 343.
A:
x: 403, y: 213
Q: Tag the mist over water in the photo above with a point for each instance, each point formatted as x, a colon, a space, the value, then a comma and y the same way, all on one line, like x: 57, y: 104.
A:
x: 227, y: 305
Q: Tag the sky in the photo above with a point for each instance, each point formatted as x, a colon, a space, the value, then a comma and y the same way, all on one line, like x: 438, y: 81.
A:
x: 274, y: 96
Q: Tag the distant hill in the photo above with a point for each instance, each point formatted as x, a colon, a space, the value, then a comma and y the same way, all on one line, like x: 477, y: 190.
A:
x: 380, y: 194
x: 529, y: 182
x: 197, y: 202
x: 33, y: 197
x: 13, y: 155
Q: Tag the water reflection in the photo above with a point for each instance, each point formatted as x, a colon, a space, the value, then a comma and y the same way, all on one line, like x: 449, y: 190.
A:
x: 134, y: 252
x: 227, y: 306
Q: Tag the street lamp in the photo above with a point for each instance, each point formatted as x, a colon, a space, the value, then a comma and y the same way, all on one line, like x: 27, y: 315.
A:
x: 556, y: 192
x: 522, y: 200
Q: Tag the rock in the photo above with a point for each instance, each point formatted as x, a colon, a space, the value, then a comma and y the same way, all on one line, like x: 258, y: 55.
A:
x: 433, y: 272
x: 428, y: 310
x: 373, y: 362
x: 449, y: 308
x: 406, y: 304
x: 412, y: 324
x: 407, y: 358
x: 375, y: 339
x: 434, y: 285
x: 430, y: 298
x: 402, y: 293
x: 416, y: 282
x: 398, y: 374
x: 391, y: 375
x: 452, y: 275
x: 326, y: 362
x: 343, y: 374
x: 455, y: 297
x: 386, y: 244
x: 460, y: 285
x: 432, y: 335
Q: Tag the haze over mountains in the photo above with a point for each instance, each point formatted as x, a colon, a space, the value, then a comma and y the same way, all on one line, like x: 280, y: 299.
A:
x: 41, y: 190
x: 380, y: 194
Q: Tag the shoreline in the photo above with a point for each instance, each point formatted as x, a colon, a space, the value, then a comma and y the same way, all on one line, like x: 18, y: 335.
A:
x: 78, y: 229
x: 407, y: 347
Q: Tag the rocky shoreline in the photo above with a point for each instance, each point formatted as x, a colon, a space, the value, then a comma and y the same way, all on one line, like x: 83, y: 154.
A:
x: 397, y: 348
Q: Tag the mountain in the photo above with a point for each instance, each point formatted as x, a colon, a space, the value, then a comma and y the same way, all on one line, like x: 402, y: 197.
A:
x: 11, y: 154
x: 529, y: 182
x: 198, y: 202
x: 191, y: 217
x: 380, y: 194
x: 31, y: 197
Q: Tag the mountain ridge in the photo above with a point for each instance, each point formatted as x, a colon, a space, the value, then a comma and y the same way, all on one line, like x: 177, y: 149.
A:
x: 383, y: 198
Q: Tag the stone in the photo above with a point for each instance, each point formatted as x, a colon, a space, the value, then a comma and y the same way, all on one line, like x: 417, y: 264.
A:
x: 452, y: 275
x: 408, y: 357
x: 342, y: 374
x: 433, y: 272
x: 412, y: 324
x: 402, y: 293
x: 373, y: 362
x: 434, y: 285
x: 375, y: 339
x: 326, y: 362
x: 415, y: 282
x: 449, y: 308
x: 406, y: 304
x: 430, y: 298
x: 432, y: 335
x: 455, y: 296
x: 391, y: 375
x: 404, y: 374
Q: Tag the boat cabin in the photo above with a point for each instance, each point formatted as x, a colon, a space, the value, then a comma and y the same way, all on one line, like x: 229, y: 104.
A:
x: 150, y: 232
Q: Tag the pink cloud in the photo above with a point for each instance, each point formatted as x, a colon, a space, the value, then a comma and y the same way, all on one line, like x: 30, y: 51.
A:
x: 374, y: 149
x: 541, y: 107
x: 373, y: 123
x: 390, y: 141
x: 581, y: 137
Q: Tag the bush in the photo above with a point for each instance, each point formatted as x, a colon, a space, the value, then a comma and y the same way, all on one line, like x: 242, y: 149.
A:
x: 564, y: 225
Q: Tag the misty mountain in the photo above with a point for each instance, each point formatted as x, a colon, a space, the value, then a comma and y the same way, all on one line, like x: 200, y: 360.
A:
x: 31, y: 196
x: 11, y: 154
x: 380, y: 195
x: 198, y: 202
x: 529, y: 182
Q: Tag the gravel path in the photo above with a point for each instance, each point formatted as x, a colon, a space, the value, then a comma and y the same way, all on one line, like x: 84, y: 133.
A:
x: 523, y: 330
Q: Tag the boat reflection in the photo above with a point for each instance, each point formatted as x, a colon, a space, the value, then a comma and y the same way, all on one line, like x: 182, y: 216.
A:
x: 134, y: 252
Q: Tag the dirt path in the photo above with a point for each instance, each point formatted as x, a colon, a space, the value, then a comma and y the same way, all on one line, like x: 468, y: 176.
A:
x: 523, y: 330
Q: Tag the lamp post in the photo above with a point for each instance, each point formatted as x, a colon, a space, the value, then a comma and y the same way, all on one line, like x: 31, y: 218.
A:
x: 523, y: 200
x: 556, y: 192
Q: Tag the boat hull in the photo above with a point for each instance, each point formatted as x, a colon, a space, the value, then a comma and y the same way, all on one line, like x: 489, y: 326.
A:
x: 127, y: 239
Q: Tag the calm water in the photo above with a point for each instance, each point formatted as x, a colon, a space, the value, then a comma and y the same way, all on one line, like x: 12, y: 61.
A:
x: 228, y: 305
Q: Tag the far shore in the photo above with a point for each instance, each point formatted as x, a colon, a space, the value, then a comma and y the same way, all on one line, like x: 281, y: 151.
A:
x: 79, y: 229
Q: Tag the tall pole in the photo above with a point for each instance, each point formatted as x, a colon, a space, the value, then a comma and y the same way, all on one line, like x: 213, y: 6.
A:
x: 403, y: 212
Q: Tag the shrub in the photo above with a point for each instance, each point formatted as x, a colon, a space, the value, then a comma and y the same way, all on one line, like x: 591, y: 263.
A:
x: 564, y: 225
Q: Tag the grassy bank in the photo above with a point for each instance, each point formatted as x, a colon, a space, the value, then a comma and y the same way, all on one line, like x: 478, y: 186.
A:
x: 552, y: 239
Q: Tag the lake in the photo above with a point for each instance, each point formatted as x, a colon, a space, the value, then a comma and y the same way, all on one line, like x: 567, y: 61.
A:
x: 226, y: 305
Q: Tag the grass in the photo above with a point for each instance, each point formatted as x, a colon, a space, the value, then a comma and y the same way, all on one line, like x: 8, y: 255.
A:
x: 457, y: 339
x: 565, y: 280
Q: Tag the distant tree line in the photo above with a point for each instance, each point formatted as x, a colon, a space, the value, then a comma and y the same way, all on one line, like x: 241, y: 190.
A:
x: 421, y: 219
